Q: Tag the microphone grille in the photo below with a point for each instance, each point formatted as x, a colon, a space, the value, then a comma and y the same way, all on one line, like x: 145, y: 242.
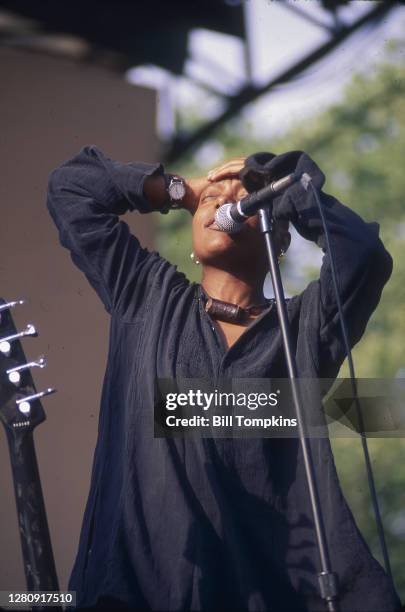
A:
x: 224, y: 220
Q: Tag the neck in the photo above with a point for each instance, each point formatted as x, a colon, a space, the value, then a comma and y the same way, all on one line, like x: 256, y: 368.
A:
x: 243, y: 289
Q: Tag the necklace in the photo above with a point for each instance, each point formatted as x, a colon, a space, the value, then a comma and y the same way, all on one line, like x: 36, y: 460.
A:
x: 232, y: 313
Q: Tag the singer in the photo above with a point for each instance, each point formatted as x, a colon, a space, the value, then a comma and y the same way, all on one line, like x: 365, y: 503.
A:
x: 212, y: 524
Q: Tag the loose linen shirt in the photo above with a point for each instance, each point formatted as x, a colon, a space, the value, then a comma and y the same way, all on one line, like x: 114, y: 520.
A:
x: 211, y: 523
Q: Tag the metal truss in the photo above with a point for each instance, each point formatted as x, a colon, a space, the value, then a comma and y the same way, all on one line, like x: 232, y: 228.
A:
x: 185, y: 142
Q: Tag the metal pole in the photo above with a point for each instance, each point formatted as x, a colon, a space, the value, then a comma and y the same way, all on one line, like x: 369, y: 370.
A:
x: 327, y: 578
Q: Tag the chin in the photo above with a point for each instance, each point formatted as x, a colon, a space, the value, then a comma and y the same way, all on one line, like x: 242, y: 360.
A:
x: 230, y: 255
x: 219, y: 244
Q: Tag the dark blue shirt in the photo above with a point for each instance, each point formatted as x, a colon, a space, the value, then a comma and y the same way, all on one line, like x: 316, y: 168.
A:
x: 210, y: 524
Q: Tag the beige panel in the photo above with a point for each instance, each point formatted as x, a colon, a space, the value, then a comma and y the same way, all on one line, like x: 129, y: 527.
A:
x: 49, y: 108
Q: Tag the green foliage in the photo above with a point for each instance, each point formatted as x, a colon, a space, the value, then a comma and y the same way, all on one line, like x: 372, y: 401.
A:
x: 360, y: 145
x: 389, y: 472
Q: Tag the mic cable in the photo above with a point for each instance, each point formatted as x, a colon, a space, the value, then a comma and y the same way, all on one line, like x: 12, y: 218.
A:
x: 306, y: 181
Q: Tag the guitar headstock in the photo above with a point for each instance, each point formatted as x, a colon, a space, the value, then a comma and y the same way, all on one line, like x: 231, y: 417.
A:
x: 20, y: 406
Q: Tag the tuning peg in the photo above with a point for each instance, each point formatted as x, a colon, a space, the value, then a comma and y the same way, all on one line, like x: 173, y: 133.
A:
x: 8, y: 305
x: 5, y: 343
x: 24, y: 403
x: 14, y: 374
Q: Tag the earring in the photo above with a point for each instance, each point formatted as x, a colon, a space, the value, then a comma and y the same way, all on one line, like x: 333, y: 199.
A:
x: 193, y: 257
x: 282, y: 253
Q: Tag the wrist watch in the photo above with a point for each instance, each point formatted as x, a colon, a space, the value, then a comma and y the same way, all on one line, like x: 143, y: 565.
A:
x: 176, y: 190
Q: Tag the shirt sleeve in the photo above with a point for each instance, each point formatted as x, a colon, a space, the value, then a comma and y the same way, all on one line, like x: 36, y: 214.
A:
x: 363, y: 267
x: 86, y: 194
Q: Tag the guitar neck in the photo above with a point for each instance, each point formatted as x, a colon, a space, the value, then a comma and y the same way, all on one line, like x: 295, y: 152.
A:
x: 21, y: 411
x: 39, y: 564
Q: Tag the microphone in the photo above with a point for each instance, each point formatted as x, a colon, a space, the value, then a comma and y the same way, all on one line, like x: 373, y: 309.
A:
x: 230, y: 218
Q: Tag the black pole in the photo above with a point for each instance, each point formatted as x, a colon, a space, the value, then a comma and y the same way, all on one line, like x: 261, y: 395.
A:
x: 327, y: 579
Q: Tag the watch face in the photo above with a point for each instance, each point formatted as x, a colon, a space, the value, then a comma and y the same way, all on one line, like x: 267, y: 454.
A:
x: 177, y: 189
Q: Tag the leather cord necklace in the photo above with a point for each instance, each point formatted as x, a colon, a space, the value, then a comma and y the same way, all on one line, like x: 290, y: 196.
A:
x: 232, y: 313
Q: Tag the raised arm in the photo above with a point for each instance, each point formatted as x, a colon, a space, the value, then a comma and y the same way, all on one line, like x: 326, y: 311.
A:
x: 86, y: 195
x: 363, y: 265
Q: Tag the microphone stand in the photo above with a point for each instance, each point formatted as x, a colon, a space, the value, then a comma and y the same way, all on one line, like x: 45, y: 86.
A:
x: 327, y: 579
